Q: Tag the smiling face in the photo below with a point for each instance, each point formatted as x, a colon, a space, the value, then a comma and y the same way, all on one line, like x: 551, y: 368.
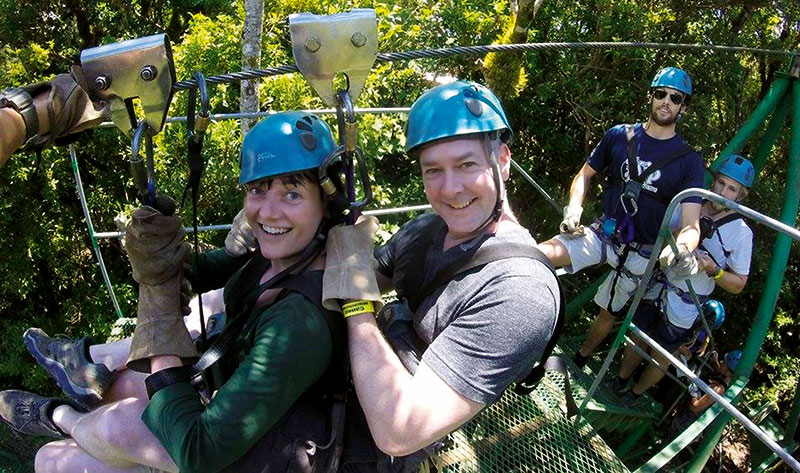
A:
x: 664, y: 112
x: 284, y: 216
x: 459, y: 185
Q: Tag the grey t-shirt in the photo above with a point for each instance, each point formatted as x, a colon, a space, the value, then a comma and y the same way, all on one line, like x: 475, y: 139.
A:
x: 487, y: 327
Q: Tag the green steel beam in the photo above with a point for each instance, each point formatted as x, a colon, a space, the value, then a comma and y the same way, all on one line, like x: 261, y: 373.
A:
x: 791, y: 424
x: 631, y: 440
x: 770, y: 136
x: 660, y: 459
x: 576, y: 303
x: 759, y: 116
x: 774, y: 280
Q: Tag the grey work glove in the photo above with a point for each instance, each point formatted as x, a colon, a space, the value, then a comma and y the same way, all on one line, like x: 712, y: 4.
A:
x: 571, y: 225
x: 157, y: 250
x: 349, y: 264
x: 678, y: 266
x: 240, y: 239
x: 69, y: 107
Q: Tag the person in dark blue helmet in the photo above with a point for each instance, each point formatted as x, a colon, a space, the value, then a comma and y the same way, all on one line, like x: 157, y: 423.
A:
x: 668, y: 313
x: 274, y: 391
x: 646, y: 165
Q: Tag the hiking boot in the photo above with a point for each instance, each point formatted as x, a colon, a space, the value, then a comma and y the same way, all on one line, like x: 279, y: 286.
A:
x: 617, y: 384
x: 67, y: 362
x: 30, y: 413
x: 630, y: 399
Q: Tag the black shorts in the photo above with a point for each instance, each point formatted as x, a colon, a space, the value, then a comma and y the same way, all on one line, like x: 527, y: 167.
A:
x: 652, y: 321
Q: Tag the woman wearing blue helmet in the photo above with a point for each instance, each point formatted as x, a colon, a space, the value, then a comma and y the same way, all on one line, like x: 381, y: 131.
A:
x: 277, y: 385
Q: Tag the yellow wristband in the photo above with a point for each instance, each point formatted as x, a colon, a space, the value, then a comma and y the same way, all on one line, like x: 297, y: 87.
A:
x: 719, y: 274
x: 357, y: 307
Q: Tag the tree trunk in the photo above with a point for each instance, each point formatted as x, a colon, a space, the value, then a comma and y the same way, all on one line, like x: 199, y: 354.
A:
x: 251, y: 58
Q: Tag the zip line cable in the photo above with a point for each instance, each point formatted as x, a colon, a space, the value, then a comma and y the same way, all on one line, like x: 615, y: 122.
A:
x: 492, y: 48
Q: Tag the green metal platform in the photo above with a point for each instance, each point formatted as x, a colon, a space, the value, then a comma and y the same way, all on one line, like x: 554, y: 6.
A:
x: 528, y: 434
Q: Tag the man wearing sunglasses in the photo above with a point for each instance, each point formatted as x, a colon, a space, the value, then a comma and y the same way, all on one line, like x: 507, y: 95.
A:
x: 646, y: 165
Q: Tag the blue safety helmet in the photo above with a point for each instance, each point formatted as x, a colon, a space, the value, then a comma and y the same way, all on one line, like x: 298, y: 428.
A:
x: 674, y: 78
x: 732, y: 359
x: 455, y: 109
x: 739, y: 169
x: 714, y: 312
x: 284, y: 143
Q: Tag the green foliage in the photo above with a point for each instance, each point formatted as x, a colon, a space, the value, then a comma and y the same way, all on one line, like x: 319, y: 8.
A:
x: 49, y: 276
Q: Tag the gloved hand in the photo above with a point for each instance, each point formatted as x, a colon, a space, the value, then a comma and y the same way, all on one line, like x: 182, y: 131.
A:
x: 680, y: 266
x: 349, y: 264
x: 571, y: 225
x: 240, y: 239
x: 157, y: 250
x: 70, y: 110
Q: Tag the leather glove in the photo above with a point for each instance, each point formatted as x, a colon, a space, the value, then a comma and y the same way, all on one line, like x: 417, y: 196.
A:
x: 349, y: 264
x: 69, y: 108
x: 240, y: 239
x: 680, y: 266
x: 571, y: 225
x: 157, y: 250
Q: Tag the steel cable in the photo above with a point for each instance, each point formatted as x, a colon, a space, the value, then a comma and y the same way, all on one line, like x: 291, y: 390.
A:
x: 482, y: 50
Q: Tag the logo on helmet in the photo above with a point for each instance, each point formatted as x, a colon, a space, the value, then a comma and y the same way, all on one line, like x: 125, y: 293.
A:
x: 261, y: 157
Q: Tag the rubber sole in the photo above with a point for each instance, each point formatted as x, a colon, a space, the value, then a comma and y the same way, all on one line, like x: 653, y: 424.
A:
x: 84, y: 396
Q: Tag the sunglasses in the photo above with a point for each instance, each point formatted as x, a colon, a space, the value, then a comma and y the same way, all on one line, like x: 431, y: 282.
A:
x: 660, y: 94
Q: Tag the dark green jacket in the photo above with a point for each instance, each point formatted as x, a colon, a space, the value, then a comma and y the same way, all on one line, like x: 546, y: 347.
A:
x: 273, y: 362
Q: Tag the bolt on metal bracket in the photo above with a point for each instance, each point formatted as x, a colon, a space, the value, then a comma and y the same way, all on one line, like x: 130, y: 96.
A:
x: 120, y: 72
x: 326, y: 45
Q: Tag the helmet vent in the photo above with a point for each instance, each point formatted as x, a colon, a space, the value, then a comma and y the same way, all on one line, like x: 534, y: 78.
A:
x: 474, y: 107
x: 304, y: 124
x: 308, y: 141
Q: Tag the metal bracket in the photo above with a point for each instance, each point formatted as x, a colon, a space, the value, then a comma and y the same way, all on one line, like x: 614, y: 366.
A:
x: 326, y: 45
x: 120, y: 72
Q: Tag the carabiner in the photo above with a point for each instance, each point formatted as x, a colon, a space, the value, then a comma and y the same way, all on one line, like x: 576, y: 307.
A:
x: 143, y: 173
x: 634, y: 205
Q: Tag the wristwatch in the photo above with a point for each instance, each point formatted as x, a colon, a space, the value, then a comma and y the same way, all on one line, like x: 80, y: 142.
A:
x: 22, y: 102
x: 166, y: 377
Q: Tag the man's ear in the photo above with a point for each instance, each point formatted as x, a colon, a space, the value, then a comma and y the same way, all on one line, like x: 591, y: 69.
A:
x: 504, y: 161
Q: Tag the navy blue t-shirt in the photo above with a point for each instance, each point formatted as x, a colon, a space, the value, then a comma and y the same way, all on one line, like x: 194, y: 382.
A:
x: 611, y: 155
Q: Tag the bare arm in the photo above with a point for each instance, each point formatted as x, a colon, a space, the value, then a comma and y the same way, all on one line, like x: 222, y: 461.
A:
x: 12, y: 127
x: 580, y: 185
x: 689, y: 234
x: 705, y: 401
x: 404, y: 412
x: 730, y: 281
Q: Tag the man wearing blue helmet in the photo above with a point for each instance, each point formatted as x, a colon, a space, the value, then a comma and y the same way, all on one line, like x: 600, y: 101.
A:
x: 669, y: 315
x: 276, y: 396
x: 472, y: 328
x: 646, y: 165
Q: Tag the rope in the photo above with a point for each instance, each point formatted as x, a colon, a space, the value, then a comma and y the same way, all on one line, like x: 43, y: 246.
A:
x: 483, y: 50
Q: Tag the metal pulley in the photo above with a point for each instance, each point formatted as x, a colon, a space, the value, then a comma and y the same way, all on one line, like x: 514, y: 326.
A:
x: 327, y: 45
x: 138, y: 68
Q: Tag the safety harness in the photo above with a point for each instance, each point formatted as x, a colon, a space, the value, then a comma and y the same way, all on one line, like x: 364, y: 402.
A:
x: 621, y: 236
x: 708, y: 229
x: 415, y: 290
x: 324, y: 405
